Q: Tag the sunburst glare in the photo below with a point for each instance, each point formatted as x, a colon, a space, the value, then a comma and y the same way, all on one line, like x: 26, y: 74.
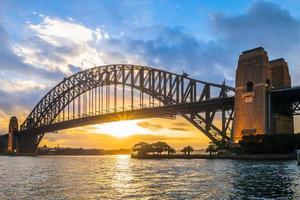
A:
x: 122, y: 129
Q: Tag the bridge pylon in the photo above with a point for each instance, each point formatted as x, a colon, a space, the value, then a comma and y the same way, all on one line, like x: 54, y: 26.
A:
x: 13, y: 128
x: 256, y: 77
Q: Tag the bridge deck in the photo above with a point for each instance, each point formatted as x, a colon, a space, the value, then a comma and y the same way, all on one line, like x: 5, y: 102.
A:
x: 212, y: 104
x: 286, y: 100
x: 286, y: 94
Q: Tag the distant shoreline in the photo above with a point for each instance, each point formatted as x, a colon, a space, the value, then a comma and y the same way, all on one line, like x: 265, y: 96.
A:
x: 215, y: 156
x: 72, y: 152
x: 80, y: 154
x: 37, y: 154
x: 262, y: 157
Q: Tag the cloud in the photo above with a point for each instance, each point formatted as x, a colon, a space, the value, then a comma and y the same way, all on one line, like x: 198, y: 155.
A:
x: 30, y: 68
x: 263, y: 24
x: 179, y: 129
x: 57, y: 44
x: 57, y: 32
x: 62, y: 45
x: 180, y: 126
x: 12, y: 63
x: 168, y: 48
x: 19, y: 104
x: 155, y: 126
x: 104, y: 141
x: 150, y: 126
x: 20, y: 82
x: 17, y: 85
x: 55, y: 47
x: 18, y: 97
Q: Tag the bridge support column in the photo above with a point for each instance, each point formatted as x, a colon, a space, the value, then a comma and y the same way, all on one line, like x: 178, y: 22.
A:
x: 13, y: 128
x: 28, y: 143
x: 281, y: 122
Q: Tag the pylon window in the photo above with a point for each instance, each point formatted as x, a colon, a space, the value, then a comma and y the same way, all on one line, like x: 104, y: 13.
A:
x: 249, y: 86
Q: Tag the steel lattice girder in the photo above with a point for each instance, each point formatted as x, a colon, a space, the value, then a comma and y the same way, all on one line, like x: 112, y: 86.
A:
x: 168, y: 88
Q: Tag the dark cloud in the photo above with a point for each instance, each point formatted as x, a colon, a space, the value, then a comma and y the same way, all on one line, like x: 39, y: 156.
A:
x: 6, y: 101
x: 12, y: 65
x: 150, y: 126
x: 74, y: 69
x: 264, y: 24
x: 178, y: 129
x: 180, y: 124
x: 55, y: 54
x: 169, y: 48
x: 156, y: 138
x: 10, y: 101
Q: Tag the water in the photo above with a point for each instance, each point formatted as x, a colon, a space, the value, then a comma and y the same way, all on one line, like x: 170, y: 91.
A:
x: 120, y: 177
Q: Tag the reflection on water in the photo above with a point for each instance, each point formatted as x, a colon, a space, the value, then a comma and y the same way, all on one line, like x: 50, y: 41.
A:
x: 119, y: 177
x: 123, y: 175
x: 266, y: 180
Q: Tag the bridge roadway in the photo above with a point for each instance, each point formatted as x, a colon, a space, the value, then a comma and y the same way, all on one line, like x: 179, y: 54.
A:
x: 281, y: 100
x: 184, y: 108
x: 285, y: 101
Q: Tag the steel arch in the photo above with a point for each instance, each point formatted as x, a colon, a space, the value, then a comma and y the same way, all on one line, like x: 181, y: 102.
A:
x: 169, y: 88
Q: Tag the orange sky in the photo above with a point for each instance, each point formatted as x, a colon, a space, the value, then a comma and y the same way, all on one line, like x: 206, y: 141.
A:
x: 124, y: 134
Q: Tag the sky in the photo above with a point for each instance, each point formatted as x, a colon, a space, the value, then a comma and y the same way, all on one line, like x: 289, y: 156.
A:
x: 41, y: 42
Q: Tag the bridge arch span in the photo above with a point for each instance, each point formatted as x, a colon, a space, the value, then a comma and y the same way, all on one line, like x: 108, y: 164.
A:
x: 177, y: 94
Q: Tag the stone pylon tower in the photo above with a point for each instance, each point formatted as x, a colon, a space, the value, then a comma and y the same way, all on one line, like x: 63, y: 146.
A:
x: 255, y: 76
x: 281, y: 79
x: 12, y: 128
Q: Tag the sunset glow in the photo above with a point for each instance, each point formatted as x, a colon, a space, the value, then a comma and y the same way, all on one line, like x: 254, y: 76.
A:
x: 121, y: 128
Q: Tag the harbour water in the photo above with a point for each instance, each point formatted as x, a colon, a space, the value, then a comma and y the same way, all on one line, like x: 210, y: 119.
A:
x: 120, y: 177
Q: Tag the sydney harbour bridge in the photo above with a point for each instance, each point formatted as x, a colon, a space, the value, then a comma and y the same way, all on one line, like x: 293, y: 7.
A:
x: 117, y: 92
x: 120, y: 92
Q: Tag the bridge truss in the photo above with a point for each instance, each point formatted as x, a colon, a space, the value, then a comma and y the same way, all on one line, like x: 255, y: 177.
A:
x: 116, y: 92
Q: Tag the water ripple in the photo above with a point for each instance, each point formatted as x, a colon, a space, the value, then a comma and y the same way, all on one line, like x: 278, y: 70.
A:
x: 119, y: 177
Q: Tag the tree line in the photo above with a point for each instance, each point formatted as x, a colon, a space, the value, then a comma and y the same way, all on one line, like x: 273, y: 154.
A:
x: 279, y: 143
x: 144, y: 149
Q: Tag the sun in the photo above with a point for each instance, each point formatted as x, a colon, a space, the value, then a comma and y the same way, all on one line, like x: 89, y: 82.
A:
x: 121, y: 129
